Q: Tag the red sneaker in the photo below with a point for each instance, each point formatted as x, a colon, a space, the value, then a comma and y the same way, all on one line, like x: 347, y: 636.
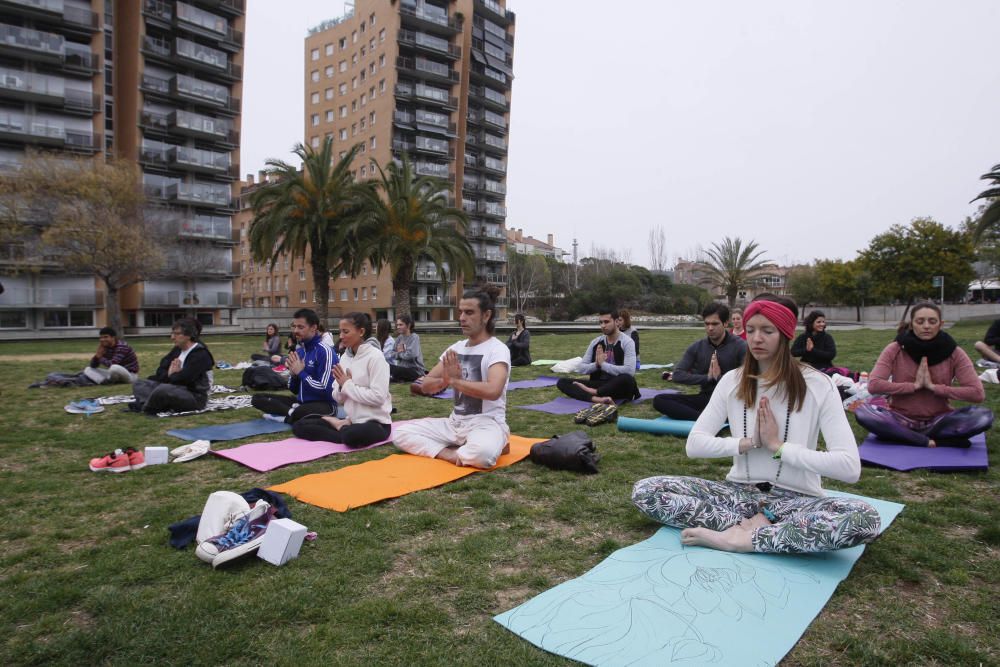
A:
x: 136, y: 459
x: 116, y: 461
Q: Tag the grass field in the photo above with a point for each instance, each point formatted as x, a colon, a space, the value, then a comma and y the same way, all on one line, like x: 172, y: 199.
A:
x: 88, y: 576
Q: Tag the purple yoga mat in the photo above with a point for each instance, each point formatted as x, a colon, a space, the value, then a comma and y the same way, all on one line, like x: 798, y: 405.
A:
x: 939, y: 459
x: 266, y: 456
x: 564, y: 405
x: 537, y: 383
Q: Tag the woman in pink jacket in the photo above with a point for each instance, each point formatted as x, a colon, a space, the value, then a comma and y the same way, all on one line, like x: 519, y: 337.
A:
x: 918, y: 371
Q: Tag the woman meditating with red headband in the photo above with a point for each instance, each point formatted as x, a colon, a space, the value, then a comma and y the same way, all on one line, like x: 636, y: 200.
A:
x: 771, y: 500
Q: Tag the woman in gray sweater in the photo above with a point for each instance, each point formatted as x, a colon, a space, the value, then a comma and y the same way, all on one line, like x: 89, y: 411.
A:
x: 407, y: 363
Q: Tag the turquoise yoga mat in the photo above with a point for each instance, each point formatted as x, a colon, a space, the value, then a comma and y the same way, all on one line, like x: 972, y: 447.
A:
x: 660, y: 603
x: 659, y: 426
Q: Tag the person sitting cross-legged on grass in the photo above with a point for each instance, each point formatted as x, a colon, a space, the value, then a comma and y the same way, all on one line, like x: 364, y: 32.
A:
x: 406, y: 363
x: 181, y: 382
x: 918, y: 371
x: 772, y: 499
x: 610, y: 361
x: 362, y: 388
x: 311, y: 381
x: 703, y: 365
x: 115, y: 360
x: 989, y: 346
x: 477, y: 369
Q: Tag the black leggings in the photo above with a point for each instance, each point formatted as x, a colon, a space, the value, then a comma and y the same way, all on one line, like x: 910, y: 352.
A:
x: 314, y: 427
x: 617, y: 387
x: 403, y: 373
x: 273, y: 404
x: 681, y: 406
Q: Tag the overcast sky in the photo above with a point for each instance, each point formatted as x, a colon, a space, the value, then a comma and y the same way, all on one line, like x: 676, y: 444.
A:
x: 808, y: 126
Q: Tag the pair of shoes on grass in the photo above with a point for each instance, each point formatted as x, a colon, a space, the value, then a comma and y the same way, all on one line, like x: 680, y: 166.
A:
x: 119, y: 461
x: 86, y: 406
x: 231, y: 528
x: 597, y: 414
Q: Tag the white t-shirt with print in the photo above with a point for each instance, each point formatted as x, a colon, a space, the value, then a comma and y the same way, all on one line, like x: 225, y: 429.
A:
x: 475, y: 361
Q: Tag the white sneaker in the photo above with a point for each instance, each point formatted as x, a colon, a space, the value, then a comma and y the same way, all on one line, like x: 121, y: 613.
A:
x: 273, y: 418
x: 192, y: 451
x: 243, y: 538
x: 222, y: 509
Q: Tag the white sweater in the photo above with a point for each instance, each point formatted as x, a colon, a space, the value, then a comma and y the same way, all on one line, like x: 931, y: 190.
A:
x: 801, y: 465
x: 365, y: 396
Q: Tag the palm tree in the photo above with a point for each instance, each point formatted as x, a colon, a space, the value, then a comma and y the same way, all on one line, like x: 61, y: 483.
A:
x: 730, y: 266
x: 305, y: 214
x: 990, y: 217
x: 406, y: 217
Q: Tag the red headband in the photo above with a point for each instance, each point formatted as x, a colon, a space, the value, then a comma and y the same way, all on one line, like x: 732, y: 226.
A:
x: 779, y: 315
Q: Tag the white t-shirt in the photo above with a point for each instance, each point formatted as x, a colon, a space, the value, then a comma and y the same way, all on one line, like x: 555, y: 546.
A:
x: 184, y: 354
x: 476, y: 361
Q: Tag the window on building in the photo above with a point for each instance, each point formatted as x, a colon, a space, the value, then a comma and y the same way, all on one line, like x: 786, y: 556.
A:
x: 302, y: 275
x: 314, y: 54
x: 381, y: 60
x: 362, y: 123
x: 329, y: 115
x: 328, y: 71
x: 355, y: 293
x: 373, y: 143
x: 67, y: 318
x: 371, y: 19
x: 354, y: 106
x: 343, y: 111
x: 363, y: 76
x: 354, y: 59
x: 354, y: 129
x: 314, y: 119
x: 314, y: 98
x: 354, y: 37
x: 284, y: 283
x: 364, y: 171
x: 329, y: 49
x: 364, y: 99
x: 343, y: 294
x: 371, y: 68
x: 328, y: 93
x: 343, y: 137
x: 343, y: 65
x: 381, y: 35
x: 374, y: 292
x: 330, y: 296
x: 364, y: 50
x: 314, y: 75
x: 302, y: 296
x: 343, y: 42
x: 354, y: 82
x: 371, y: 118
x: 314, y: 142
x: 381, y: 86
x: 364, y: 293
x: 342, y: 88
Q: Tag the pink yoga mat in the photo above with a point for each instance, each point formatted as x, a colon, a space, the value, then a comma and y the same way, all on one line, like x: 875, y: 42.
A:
x: 266, y: 456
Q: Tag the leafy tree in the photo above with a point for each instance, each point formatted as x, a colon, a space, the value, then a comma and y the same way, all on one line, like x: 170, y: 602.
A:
x: 406, y: 217
x: 803, y: 284
x: 528, y: 277
x: 305, y: 213
x: 93, y: 217
x: 989, y: 217
x: 731, y: 266
x: 846, y: 283
x: 903, y: 261
x: 987, y: 249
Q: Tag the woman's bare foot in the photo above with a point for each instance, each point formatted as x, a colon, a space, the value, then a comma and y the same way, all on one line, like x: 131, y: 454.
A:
x: 604, y: 400
x: 931, y: 443
x: 735, y: 538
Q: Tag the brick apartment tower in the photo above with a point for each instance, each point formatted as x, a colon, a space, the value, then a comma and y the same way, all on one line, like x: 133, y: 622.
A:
x: 155, y: 81
x: 431, y: 78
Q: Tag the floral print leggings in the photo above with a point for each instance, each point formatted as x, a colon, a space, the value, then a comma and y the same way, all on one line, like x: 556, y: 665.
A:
x: 805, y: 524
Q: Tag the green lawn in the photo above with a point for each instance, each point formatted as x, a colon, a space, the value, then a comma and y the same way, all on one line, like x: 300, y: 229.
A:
x: 88, y: 576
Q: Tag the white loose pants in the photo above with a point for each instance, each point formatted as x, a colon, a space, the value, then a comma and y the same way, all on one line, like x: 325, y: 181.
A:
x: 479, y: 439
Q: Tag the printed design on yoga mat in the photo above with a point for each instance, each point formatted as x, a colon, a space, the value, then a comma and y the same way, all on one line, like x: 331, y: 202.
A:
x: 685, y: 586
x: 472, y: 372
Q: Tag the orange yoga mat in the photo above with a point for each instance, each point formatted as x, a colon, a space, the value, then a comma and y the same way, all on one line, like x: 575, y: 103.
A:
x: 391, y: 477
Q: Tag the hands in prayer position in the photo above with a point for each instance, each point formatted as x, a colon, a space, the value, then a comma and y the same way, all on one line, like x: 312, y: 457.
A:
x: 175, y: 366
x: 923, y: 378
x: 809, y: 345
x: 294, y: 364
x: 714, y: 370
x: 341, y: 376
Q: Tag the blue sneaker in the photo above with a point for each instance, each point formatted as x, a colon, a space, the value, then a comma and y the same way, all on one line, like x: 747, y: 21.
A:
x: 244, y: 537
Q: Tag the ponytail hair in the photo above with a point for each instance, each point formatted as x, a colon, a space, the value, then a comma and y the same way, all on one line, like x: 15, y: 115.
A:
x: 486, y: 296
x: 360, y: 321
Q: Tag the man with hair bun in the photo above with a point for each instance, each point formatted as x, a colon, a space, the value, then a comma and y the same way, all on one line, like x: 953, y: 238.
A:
x: 477, y: 369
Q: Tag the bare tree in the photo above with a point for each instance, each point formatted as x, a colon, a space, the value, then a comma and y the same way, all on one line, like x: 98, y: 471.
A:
x: 657, y: 249
x: 527, y: 277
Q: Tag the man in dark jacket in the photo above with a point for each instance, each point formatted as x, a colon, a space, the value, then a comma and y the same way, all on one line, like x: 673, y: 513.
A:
x: 703, y: 363
x: 181, y: 382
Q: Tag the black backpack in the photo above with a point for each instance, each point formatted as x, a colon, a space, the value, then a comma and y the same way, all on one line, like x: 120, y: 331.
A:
x: 262, y: 377
x: 571, y: 451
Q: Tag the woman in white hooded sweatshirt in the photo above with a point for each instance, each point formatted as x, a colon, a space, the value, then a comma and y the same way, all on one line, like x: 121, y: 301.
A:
x: 772, y: 499
x: 363, y: 390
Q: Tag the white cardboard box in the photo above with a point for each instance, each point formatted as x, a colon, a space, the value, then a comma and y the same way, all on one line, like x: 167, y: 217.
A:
x: 156, y: 455
x: 282, y: 541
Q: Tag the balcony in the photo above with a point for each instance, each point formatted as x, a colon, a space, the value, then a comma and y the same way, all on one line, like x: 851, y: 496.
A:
x: 424, y: 18
x: 216, y: 228
x: 198, y: 160
x: 428, y: 275
x: 203, y: 92
x: 175, y: 298
x: 492, y: 208
x: 434, y: 301
x: 33, y: 44
x: 190, y: 124
x: 492, y: 187
x: 493, y: 10
x: 46, y: 296
x: 199, y: 194
x: 49, y: 90
x: 430, y: 43
x: 49, y: 132
x: 427, y: 69
x: 486, y: 233
x: 431, y: 169
x: 492, y: 278
x: 492, y: 164
x: 207, y: 59
x: 73, y: 19
x: 487, y: 95
x: 425, y: 94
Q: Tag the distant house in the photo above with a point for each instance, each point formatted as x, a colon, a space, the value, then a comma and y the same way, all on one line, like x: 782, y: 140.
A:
x: 528, y: 245
x: 688, y: 272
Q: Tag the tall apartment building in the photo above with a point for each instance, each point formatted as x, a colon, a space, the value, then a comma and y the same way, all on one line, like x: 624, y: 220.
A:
x: 431, y: 78
x: 155, y: 81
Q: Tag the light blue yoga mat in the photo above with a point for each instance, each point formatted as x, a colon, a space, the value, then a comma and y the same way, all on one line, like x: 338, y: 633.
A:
x: 230, y: 431
x: 661, y: 603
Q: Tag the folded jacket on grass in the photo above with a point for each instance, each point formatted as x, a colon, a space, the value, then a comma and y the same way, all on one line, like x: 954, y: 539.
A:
x: 235, y: 431
x: 391, y: 477
x: 537, y: 383
x: 660, y: 603
x: 265, y: 456
x: 940, y: 459
x: 564, y: 405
